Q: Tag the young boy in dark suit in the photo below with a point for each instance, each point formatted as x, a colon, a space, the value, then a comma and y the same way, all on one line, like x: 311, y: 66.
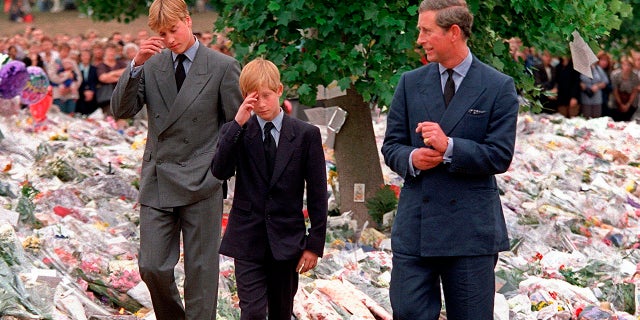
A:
x: 266, y: 234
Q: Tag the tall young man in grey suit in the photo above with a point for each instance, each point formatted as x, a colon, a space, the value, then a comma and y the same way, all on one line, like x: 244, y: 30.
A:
x: 450, y: 129
x: 178, y: 193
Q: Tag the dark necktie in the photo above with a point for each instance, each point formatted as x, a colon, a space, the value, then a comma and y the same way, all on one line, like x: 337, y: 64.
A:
x: 269, y: 147
x: 449, y: 88
x: 180, y: 73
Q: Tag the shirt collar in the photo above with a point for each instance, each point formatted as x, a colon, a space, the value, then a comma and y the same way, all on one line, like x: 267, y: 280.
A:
x: 277, y: 121
x: 460, y: 69
x: 190, y: 53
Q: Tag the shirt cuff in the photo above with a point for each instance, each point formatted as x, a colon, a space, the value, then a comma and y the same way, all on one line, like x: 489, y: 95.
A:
x: 446, y: 158
x: 412, y: 170
x: 135, y: 70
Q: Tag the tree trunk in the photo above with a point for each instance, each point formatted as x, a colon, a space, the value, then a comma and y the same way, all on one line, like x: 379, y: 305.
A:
x: 356, y: 155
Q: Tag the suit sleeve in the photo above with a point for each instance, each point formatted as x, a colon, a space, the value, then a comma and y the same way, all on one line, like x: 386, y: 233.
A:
x: 128, y: 96
x: 396, y: 147
x: 227, y: 151
x: 316, y: 180
x: 230, y: 97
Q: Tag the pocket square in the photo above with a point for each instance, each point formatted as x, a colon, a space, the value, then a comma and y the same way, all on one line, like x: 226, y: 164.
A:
x: 476, y: 111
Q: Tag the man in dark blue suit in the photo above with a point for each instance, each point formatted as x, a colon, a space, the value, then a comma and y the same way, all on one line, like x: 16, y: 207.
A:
x: 275, y: 158
x: 451, y: 128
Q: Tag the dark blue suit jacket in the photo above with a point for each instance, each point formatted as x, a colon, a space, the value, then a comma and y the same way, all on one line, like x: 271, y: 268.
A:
x: 269, y: 212
x: 453, y: 209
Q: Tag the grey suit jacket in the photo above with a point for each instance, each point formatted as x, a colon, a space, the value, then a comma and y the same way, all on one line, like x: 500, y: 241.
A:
x: 453, y: 209
x: 183, y: 127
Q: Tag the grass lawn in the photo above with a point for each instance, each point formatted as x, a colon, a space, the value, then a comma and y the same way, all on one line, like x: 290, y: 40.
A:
x: 72, y: 23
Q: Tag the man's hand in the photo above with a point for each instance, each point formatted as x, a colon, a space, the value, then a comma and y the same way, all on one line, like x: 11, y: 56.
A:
x: 433, y: 136
x: 308, y: 261
x: 426, y: 158
x: 148, y: 47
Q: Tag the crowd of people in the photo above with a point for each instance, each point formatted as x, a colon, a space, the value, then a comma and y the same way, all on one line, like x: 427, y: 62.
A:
x: 611, y: 91
x: 84, y: 68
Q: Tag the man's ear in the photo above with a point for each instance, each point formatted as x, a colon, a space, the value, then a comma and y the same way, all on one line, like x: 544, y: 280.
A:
x: 456, y: 32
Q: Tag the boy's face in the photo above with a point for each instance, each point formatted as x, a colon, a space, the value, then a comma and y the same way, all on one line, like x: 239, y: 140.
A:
x: 178, y: 37
x: 268, y: 105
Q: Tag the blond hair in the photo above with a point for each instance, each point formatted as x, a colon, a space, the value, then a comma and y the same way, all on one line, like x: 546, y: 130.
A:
x: 165, y: 13
x: 257, y: 74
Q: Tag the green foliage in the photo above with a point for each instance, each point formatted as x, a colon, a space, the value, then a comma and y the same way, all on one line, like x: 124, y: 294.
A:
x: 25, y: 207
x: 367, y: 47
x: 385, y: 200
x: 315, y: 43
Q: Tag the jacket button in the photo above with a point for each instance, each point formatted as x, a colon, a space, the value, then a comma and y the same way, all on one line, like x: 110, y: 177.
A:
x: 157, y: 115
x: 453, y: 202
x: 185, y: 140
x: 425, y: 199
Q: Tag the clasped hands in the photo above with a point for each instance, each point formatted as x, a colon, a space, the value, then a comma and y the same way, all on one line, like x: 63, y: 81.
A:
x: 436, y: 143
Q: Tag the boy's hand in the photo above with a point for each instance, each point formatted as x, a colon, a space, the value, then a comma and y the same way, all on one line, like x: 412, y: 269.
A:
x: 244, y: 112
x: 308, y: 261
x: 148, y: 48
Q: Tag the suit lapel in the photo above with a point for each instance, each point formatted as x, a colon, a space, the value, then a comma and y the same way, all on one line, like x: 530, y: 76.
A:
x: 164, y: 74
x: 465, y: 98
x: 431, y: 93
x: 196, y: 79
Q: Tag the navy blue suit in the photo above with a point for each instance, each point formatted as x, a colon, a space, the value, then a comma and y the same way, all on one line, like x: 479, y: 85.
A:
x: 454, y: 209
x: 266, y: 233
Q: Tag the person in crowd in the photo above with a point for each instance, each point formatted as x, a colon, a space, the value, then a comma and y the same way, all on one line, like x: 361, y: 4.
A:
x: 12, y: 52
x: 604, y: 61
x: 179, y: 196
x: 141, y: 36
x: 48, y: 53
x: 67, y: 80
x: 545, y: 77
x: 568, y: 80
x: 206, y: 38
x: 87, y: 93
x: 97, y: 51
x: 625, y: 85
x: 33, y: 57
x: 516, y: 49
x: 591, y: 95
x: 129, y: 51
x: 109, y: 71
x: 221, y: 42
x: 266, y: 233
x: 451, y: 128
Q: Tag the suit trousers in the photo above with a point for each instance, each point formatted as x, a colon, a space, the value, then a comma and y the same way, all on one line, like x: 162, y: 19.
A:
x: 160, y: 231
x: 468, y: 284
x: 265, y: 286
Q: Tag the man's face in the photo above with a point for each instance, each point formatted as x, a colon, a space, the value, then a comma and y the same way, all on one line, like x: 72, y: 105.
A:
x: 178, y: 37
x: 435, y: 41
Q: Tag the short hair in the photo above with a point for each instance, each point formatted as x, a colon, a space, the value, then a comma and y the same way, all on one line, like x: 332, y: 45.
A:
x: 257, y: 74
x: 130, y: 45
x: 450, y: 12
x: 164, y: 13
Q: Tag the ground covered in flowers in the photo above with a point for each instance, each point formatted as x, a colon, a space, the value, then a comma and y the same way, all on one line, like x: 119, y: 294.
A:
x: 69, y: 226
